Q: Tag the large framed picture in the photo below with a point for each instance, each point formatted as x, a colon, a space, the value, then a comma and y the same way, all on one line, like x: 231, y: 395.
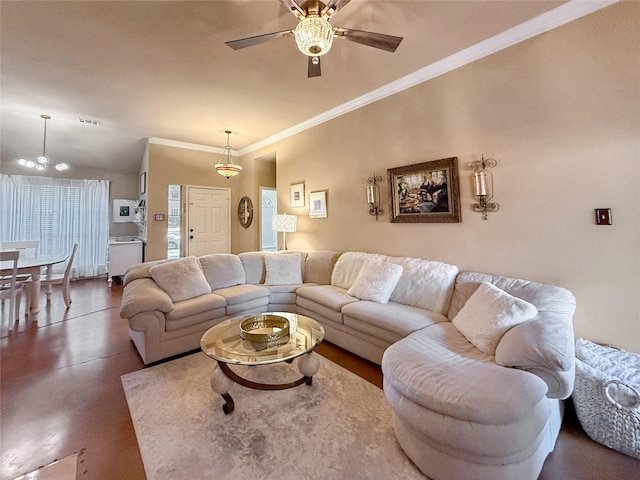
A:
x: 425, y: 192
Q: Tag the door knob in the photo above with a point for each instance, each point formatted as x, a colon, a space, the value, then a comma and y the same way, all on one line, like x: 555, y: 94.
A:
x: 190, y: 237
x: 191, y: 229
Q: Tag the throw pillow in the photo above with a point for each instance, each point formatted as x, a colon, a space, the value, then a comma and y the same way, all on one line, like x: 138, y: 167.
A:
x: 376, y: 281
x: 488, y: 314
x: 181, y: 279
x: 283, y: 269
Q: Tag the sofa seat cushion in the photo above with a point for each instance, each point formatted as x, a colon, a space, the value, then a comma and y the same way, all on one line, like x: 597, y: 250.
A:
x: 195, y: 311
x: 329, y: 296
x: 242, y: 293
x: 193, y: 306
x: 440, y: 370
x: 390, y: 321
x: 283, y: 294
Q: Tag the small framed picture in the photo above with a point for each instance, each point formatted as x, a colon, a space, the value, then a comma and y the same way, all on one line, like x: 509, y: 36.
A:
x: 143, y: 183
x: 318, y: 204
x: 297, y: 195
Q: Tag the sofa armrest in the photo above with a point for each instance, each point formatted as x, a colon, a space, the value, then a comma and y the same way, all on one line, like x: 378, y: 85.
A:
x: 141, y: 295
x: 543, y: 346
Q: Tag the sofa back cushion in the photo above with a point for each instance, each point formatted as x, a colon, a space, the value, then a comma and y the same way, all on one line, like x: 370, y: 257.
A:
x: 319, y: 266
x: 254, y: 264
x: 348, y: 267
x: 283, y: 269
x: 181, y: 279
x: 424, y: 283
x: 222, y: 270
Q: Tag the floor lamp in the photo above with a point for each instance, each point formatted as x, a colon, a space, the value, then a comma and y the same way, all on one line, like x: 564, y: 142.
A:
x: 284, y: 223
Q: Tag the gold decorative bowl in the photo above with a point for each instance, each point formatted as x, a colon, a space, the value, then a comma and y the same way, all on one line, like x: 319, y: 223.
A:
x: 264, y: 328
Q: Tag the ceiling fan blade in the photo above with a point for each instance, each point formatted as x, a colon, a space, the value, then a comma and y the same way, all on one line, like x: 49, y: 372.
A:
x: 376, y: 40
x: 294, y: 7
x: 250, y: 41
x: 334, y: 5
x: 313, y: 67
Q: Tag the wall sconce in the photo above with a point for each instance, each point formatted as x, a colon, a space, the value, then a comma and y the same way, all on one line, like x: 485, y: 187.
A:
x: 483, y: 186
x: 284, y: 223
x: 373, y: 195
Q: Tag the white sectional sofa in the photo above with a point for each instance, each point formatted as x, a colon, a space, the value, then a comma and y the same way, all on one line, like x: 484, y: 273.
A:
x: 475, y: 366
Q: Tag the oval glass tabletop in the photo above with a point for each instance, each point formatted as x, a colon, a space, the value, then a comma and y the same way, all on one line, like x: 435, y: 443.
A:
x: 223, y: 342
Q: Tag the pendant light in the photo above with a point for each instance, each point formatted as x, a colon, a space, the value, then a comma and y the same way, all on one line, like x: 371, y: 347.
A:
x: 228, y: 169
x: 43, y: 160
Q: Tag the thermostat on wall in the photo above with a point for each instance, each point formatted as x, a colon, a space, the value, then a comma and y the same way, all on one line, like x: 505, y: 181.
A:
x: 159, y: 217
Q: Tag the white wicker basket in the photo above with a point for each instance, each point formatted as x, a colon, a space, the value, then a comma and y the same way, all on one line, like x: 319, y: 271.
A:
x: 607, y: 396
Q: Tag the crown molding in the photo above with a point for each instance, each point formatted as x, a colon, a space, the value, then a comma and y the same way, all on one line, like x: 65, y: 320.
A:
x: 555, y: 18
x: 190, y: 146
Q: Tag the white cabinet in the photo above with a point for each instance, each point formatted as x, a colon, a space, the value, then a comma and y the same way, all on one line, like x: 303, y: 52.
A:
x: 122, y: 254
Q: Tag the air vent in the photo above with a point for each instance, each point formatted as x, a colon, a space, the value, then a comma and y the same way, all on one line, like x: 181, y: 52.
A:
x: 89, y: 121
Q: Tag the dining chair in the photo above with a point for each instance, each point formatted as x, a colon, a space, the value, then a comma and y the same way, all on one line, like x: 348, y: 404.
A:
x: 10, y: 287
x: 51, y: 279
x: 27, y: 248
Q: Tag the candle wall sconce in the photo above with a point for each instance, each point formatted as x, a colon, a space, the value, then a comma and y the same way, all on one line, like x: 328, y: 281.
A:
x: 373, y: 195
x: 483, y: 186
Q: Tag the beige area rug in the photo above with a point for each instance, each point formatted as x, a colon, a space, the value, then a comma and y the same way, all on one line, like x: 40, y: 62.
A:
x: 338, y: 428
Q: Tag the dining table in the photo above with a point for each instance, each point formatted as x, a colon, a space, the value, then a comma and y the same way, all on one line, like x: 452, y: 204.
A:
x: 33, y: 266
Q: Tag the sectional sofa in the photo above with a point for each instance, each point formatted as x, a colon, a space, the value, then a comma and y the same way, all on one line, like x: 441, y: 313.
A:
x: 475, y: 365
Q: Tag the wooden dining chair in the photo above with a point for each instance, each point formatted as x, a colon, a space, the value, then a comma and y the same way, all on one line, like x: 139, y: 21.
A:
x: 51, y: 279
x: 10, y: 287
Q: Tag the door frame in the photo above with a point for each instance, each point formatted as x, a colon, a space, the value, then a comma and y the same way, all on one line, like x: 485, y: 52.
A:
x: 186, y: 214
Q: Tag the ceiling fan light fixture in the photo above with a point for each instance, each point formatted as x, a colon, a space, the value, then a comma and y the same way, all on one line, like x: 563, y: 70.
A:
x: 227, y: 169
x: 314, y: 36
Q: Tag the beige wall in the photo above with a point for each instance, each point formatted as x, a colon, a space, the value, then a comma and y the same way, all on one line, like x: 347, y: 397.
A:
x: 560, y: 113
x: 171, y: 165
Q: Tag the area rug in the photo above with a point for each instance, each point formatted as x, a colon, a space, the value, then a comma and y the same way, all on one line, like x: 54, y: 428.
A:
x: 338, y: 428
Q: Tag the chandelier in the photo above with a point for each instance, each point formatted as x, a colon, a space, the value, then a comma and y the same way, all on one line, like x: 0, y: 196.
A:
x: 314, y: 36
x: 43, y: 161
x: 228, y: 169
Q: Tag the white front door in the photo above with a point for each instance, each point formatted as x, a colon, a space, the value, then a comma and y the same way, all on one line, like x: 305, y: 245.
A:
x: 208, y: 227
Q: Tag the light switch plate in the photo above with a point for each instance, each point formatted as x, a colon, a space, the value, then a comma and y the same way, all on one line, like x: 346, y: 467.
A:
x: 603, y: 216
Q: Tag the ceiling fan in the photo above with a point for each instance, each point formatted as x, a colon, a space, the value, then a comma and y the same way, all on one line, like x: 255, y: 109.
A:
x: 314, y: 34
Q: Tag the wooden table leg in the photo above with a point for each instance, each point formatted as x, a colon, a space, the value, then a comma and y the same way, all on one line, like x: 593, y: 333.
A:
x: 34, y: 308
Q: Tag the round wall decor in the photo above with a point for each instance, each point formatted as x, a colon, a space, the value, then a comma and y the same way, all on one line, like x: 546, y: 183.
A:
x: 245, y: 211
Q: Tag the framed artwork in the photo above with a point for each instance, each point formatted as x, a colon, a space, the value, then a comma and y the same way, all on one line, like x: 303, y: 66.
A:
x: 143, y: 183
x: 318, y: 204
x: 297, y: 195
x: 425, y: 192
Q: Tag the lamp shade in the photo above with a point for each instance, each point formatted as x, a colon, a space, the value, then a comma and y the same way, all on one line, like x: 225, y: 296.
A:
x: 284, y: 223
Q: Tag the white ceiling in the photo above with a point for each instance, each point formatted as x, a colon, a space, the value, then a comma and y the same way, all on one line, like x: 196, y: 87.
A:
x: 161, y: 69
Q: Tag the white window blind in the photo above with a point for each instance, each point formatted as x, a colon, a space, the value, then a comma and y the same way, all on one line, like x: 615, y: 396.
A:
x: 58, y: 212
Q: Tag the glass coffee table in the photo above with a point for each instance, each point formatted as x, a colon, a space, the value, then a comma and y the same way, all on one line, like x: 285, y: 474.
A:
x: 223, y: 342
